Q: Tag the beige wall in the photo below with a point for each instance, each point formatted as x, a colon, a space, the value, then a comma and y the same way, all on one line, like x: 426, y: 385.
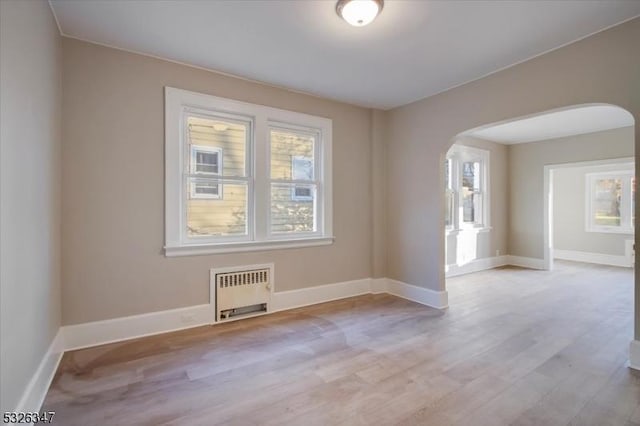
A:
x: 113, y: 188
x: 516, y: 192
x: 526, y: 170
x: 30, y: 83
x: 604, y: 68
x: 495, y: 239
x: 570, y: 207
x: 378, y: 193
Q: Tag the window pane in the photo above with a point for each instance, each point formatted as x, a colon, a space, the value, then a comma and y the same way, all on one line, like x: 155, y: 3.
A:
x: 302, y: 168
x: 447, y: 173
x: 470, y: 201
x: 606, y: 206
x: 291, y: 155
x: 222, y: 216
x: 292, y: 208
x: 471, y: 175
x: 227, y: 136
x: 633, y: 202
x: 448, y: 219
x: 206, y: 162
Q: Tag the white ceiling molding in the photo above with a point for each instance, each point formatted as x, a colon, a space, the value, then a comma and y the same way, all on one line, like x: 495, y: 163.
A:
x: 556, y: 124
x: 412, y: 50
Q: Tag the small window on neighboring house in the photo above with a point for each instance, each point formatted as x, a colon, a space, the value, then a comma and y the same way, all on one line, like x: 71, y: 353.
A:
x: 610, y: 202
x: 205, y: 163
x: 466, y: 188
x: 301, y: 170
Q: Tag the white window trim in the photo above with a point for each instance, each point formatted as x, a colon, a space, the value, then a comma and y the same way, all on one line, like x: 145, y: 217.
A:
x: 626, y: 226
x: 459, y: 154
x: 262, y: 119
x: 194, y: 151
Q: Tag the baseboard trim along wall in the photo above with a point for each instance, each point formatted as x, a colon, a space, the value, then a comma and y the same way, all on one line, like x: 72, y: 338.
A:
x: 634, y: 355
x: 38, y: 386
x: 96, y: 333
x: 486, y: 263
x: 424, y: 296
x: 476, y: 265
x: 79, y: 336
x: 525, y: 262
x: 284, y: 300
x: 598, y: 258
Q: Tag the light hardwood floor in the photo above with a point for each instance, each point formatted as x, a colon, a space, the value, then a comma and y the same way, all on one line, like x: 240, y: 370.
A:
x: 515, y: 347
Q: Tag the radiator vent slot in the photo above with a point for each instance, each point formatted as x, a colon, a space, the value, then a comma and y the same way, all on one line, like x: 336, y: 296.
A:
x: 241, y: 293
x: 232, y: 279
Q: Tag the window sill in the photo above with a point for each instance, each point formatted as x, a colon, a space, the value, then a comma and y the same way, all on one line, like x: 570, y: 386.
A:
x: 610, y: 231
x: 224, y: 248
x: 465, y: 230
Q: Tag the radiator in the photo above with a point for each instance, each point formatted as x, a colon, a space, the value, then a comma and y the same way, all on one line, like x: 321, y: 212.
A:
x: 241, y: 293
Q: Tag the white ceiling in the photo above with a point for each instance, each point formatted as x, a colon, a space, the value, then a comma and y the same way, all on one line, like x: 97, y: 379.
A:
x: 556, y: 124
x: 414, y: 49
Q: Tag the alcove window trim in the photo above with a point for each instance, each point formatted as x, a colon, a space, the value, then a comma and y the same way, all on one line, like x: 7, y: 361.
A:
x: 456, y: 156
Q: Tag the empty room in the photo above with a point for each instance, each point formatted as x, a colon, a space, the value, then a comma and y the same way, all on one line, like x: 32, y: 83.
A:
x: 325, y: 212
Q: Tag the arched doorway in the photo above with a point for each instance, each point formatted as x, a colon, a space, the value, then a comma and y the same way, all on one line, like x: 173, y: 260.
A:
x: 497, y: 182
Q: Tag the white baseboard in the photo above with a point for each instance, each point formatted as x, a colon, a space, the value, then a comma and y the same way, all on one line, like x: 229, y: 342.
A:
x: 96, y: 333
x: 284, y: 300
x: 379, y: 285
x: 525, y: 262
x: 634, y: 355
x: 424, y: 296
x: 476, y: 265
x: 38, y: 386
x: 79, y: 336
x: 597, y: 258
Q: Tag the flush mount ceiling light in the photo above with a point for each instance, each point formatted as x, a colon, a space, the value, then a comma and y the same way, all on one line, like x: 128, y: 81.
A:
x: 359, y: 12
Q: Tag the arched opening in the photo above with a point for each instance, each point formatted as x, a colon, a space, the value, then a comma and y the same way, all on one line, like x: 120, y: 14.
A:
x: 501, y: 180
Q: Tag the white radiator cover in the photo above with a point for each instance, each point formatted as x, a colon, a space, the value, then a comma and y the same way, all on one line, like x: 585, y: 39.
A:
x: 241, y: 291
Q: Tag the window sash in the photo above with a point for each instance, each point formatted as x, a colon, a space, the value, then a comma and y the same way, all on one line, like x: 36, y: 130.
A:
x: 315, y: 182
x: 190, y: 174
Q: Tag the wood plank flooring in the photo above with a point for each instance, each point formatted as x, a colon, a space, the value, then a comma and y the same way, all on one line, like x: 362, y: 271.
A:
x: 516, y: 347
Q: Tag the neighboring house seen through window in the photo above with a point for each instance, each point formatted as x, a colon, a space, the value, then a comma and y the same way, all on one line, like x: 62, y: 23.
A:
x: 302, y: 170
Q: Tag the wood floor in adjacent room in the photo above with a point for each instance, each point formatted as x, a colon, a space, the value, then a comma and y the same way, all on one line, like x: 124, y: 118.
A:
x: 515, y: 347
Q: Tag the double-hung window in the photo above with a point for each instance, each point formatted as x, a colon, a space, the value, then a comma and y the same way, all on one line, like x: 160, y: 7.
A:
x: 240, y: 176
x: 610, y: 202
x: 466, y: 188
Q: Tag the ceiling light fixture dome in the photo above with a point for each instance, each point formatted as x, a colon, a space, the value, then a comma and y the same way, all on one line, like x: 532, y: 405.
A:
x: 359, y: 12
